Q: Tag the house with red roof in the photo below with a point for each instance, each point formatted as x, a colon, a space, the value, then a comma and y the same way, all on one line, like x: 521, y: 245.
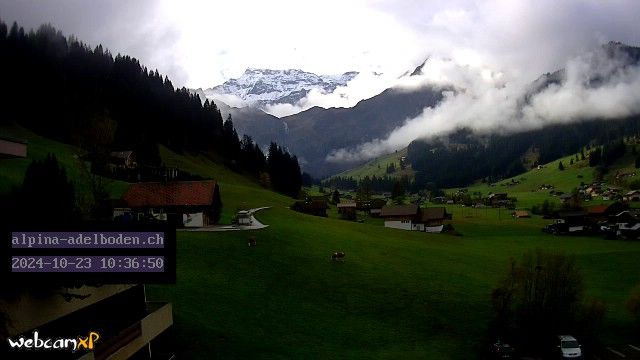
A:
x: 186, y: 203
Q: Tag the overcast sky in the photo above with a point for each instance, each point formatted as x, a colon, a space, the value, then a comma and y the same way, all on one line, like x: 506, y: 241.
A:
x: 203, y: 43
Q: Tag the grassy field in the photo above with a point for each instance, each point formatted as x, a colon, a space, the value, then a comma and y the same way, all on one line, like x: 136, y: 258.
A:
x: 12, y: 170
x: 378, y: 167
x: 398, y: 294
x: 525, y: 187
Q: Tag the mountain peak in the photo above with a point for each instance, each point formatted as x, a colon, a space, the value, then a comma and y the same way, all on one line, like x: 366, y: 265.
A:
x: 262, y: 87
x: 418, y: 69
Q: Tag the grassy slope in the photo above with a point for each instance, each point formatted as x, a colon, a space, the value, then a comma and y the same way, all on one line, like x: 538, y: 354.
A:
x: 527, y: 191
x: 12, y: 170
x: 398, y: 295
x: 378, y: 167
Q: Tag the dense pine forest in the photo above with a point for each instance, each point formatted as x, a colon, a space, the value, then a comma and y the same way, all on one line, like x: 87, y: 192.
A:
x: 463, y: 158
x: 61, y: 88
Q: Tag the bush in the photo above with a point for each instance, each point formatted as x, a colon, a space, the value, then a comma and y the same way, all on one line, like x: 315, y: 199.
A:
x: 633, y: 303
x: 634, y: 184
x: 542, y: 295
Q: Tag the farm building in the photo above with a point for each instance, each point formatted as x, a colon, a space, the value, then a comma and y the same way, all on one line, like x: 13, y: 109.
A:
x: 122, y: 160
x: 190, y: 203
x: 564, y: 198
x: 602, y: 213
x: 412, y: 217
x: 312, y: 205
x: 498, y: 199
x: 432, y: 219
x: 347, y: 210
x: 400, y: 216
x: 519, y: 214
x: 633, y: 195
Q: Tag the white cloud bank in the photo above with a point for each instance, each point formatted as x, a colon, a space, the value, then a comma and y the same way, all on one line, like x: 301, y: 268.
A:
x: 593, y: 86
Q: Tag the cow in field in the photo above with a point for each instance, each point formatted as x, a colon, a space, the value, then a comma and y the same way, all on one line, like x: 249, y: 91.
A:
x: 337, y: 256
x: 252, y: 241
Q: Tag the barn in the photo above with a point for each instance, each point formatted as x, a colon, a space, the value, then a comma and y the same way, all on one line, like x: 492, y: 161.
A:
x: 186, y: 203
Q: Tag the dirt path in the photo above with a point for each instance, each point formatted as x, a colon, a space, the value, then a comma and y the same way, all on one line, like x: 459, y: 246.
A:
x: 255, y: 224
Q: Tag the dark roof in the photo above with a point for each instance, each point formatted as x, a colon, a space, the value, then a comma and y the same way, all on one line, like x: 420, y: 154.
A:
x: 12, y: 139
x: 575, y: 213
x: 399, y: 210
x: 565, y: 196
x: 434, y: 213
x: 597, y: 209
x: 317, y: 198
x: 178, y: 193
x: 121, y: 154
x: 347, y: 205
x: 316, y: 203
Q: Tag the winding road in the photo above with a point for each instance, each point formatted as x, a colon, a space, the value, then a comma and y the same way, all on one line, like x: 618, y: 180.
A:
x: 255, y: 224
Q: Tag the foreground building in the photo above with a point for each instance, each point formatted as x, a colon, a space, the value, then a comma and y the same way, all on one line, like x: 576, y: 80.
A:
x: 190, y: 203
x: 129, y: 327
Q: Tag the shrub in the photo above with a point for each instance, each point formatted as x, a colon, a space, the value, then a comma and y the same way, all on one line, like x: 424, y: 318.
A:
x: 633, y: 303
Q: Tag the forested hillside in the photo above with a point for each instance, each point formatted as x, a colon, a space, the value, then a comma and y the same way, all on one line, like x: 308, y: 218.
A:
x: 62, y: 89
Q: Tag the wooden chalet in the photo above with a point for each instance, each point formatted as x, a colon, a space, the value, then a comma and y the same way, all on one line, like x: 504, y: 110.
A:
x: 347, y: 210
x: 602, y: 213
x: 633, y: 195
x: 520, y: 214
x: 312, y: 205
x: 498, y: 199
x: 190, y: 203
x: 412, y: 217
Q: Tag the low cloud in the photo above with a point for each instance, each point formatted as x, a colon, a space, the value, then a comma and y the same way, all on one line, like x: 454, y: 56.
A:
x: 363, y: 86
x: 592, y: 86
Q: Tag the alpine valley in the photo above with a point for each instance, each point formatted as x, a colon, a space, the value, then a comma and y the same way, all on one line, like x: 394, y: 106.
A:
x: 315, y: 133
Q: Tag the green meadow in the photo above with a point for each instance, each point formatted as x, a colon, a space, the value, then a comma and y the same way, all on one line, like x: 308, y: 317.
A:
x: 398, y: 294
x: 526, y: 187
x: 378, y: 167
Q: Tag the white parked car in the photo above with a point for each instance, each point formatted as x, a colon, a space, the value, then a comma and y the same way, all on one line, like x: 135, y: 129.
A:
x: 569, y: 347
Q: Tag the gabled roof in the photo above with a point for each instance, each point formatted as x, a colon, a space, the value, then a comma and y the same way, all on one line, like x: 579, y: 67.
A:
x: 121, y: 154
x: 399, y: 210
x: 178, y: 193
x: 572, y: 213
x: 346, y: 205
x: 597, y: 209
x: 521, y: 213
x: 434, y: 213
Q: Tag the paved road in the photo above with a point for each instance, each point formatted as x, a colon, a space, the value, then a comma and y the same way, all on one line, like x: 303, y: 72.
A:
x: 255, y: 224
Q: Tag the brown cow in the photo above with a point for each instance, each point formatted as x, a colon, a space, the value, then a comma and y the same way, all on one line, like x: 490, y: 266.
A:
x: 252, y: 241
x: 337, y: 256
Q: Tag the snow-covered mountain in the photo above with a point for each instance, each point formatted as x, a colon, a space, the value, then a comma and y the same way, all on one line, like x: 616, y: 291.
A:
x: 261, y: 87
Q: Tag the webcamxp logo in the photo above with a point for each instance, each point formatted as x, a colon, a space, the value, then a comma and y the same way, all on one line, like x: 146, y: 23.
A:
x: 35, y: 342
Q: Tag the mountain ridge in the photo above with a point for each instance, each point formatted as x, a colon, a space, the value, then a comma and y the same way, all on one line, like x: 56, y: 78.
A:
x: 262, y: 87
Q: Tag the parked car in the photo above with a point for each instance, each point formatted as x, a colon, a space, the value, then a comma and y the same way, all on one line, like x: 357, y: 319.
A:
x: 500, y: 350
x: 569, y: 347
